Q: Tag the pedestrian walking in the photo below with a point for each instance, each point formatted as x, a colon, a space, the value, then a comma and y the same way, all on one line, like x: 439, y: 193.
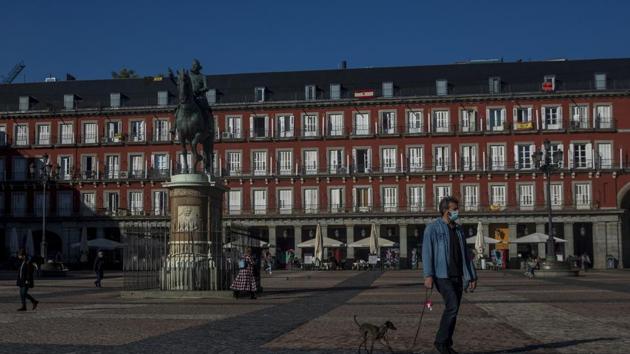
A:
x: 245, y: 280
x: 25, y: 280
x: 414, y: 259
x: 447, y: 265
x: 99, y: 264
x: 585, y: 261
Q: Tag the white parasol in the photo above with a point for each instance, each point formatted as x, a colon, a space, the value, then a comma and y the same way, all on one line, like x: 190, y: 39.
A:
x: 374, y: 245
x: 319, y: 244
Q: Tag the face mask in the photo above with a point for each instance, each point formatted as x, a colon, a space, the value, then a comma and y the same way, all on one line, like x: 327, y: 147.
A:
x: 453, y: 215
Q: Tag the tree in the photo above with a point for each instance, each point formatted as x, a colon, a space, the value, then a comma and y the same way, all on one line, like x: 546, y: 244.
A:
x: 124, y: 73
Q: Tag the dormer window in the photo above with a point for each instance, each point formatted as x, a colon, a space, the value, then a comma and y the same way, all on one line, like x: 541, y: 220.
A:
x: 211, y: 96
x: 310, y: 92
x: 600, y: 81
x: 25, y: 103
x: 494, y: 84
x: 335, y: 91
x: 69, y: 101
x: 259, y: 94
x: 549, y: 83
x: 441, y: 87
x: 388, y: 89
x: 162, y: 98
x: 114, y: 100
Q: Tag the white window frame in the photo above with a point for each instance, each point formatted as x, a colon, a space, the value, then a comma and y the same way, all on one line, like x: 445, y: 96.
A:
x: 234, y: 162
x: 471, y: 197
x: 310, y: 200
x: 415, y: 197
x: 582, y: 195
x: 469, y: 157
x: 389, y: 159
x: 440, y: 191
x: 526, y: 196
x: 90, y: 136
x: 234, y: 127
x: 415, y: 121
x: 363, y: 128
x: 310, y: 125
x: 43, y: 134
x: 387, y: 122
x: 259, y: 201
x: 88, y: 203
x: 495, y: 119
x: 355, y: 199
x: 137, y: 131
x: 285, y: 200
x: 367, y: 168
x: 336, y: 197
x: 285, y: 162
x: 415, y: 158
x: 604, y: 154
x: 259, y: 162
x: 389, y: 198
x: 285, y: 125
x: 311, y: 161
x: 468, y: 120
x: 441, y: 158
x: 498, y: 196
x: 497, y: 161
x: 335, y: 161
x: 159, y: 202
x: 21, y: 134
x: 552, y: 117
x: 579, y: 116
x: 136, y: 202
x: 603, y: 116
x: 235, y: 201
x: 335, y: 124
x: 441, y: 120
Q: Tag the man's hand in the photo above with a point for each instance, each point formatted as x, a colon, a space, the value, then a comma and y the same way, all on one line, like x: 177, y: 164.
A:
x: 472, y: 285
x: 428, y: 282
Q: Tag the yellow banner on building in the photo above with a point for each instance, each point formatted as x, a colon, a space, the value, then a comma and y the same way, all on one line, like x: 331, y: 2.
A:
x: 503, y: 236
x: 526, y: 125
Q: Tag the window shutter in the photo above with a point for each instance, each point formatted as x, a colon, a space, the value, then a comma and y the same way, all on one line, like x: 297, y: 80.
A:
x: 560, y: 119
x: 589, y: 155
x: 354, y: 197
x: 570, y: 156
x: 514, y: 115
x: 543, y: 110
x: 291, y: 125
x: 515, y: 156
x: 251, y: 126
x: 532, y: 150
x: 369, y: 159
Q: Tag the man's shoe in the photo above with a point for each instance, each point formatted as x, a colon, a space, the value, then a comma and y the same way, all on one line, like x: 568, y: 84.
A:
x: 35, y: 303
x: 442, y: 349
x: 23, y: 308
x: 451, y: 350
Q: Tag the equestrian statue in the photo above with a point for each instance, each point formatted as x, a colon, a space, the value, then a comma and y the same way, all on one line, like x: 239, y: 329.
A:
x: 193, y: 117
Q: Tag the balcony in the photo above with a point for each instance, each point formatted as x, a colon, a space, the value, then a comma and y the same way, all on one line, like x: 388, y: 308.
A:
x: 88, y: 139
x: 116, y: 139
x: 234, y: 135
x: 137, y: 139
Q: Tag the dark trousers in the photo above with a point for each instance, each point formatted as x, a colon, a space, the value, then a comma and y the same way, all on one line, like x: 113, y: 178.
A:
x: 25, y: 295
x: 99, y: 276
x: 451, y: 290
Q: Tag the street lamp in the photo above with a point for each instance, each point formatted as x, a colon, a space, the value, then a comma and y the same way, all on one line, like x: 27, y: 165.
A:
x: 547, y: 162
x: 45, y: 170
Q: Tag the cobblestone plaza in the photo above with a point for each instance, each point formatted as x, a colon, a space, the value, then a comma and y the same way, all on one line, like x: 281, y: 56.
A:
x: 311, y: 312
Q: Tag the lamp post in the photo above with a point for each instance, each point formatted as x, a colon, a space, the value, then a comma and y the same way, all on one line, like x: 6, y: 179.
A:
x: 547, y: 162
x: 46, y: 167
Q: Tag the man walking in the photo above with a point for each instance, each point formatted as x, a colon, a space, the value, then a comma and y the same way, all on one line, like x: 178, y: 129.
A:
x: 98, y: 268
x: 447, y: 265
x: 25, y: 280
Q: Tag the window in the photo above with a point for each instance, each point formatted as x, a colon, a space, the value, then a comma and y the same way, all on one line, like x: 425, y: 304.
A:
x: 161, y: 165
x: 38, y: 204
x: 235, y: 201
x: 64, y: 203
x: 600, y: 81
x: 310, y: 92
x: 582, y: 196
x: 496, y: 119
x: 468, y: 120
x: 362, y: 160
x: 523, y: 156
x: 604, y: 155
x: 233, y: 128
x: 67, y: 133
x: 88, y: 203
x: 260, y: 201
x: 260, y: 163
x: 335, y: 124
x: 553, y: 148
x: 416, y: 198
x: 552, y: 117
x: 90, y: 133
x: 441, y: 87
x: 310, y: 200
x: 162, y: 98
x: 469, y: 157
x: 3, y: 135
x: 112, y: 166
x: 259, y: 94
x: 494, y: 84
x: 579, y: 117
x: 549, y: 83
x: 285, y: 126
x: 43, y: 134
x: 603, y: 116
x: 113, y: 132
x: 582, y: 155
x: 285, y: 161
x: 136, y: 166
x: 160, y: 203
x: 18, y: 203
x: 335, y: 161
x: 440, y: 193
x: 415, y: 158
x: 114, y: 100
x: 19, y: 169
x: 65, y: 167
x: 335, y: 199
x: 388, y: 89
x: 526, y: 196
x: 21, y: 134
x: 258, y: 127
x: 523, y: 118
x: 211, y: 96
x: 388, y: 122
x: 111, y: 203
x: 441, y: 158
x: 68, y: 101
x: 388, y: 160
x: 181, y: 161
x: 390, y: 199
x: 285, y: 201
x: 361, y: 124
x: 498, y: 197
x: 414, y: 122
x: 556, y: 195
x: 362, y: 198
x: 310, y: 162
x: 309, y: 125
x: 335, y: 91
x: 161, y: 131
x: 24, y: 103
x: 136, y: 203
x: 441, y: 121
x: 234, y: 163
x: 471, y: 197
x: 137, y: 131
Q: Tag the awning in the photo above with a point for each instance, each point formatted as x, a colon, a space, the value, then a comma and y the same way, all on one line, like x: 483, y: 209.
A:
x: 101, y: 243
x: 328, y: 243
x: 536, y: 237
x: 365, y: 243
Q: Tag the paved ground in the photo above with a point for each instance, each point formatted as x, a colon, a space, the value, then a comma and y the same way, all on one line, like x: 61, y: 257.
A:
x: 311, y: 312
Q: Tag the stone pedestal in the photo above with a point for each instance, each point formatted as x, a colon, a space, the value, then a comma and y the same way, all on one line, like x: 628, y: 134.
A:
x: 194, y: 255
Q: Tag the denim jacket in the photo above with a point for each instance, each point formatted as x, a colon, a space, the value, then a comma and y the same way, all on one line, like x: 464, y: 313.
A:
x: 435, y: 251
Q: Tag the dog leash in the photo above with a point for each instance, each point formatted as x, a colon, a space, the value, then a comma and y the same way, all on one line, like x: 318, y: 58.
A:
x: 425, y: 305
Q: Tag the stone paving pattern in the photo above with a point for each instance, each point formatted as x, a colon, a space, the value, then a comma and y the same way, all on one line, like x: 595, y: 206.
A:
x: 312, y: 312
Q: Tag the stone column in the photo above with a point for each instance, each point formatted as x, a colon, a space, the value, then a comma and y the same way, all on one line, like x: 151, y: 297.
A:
x: 297, y: 238
x: 404, y: 262
x: 349, y: 240
x: 512, y: 247
x: 600, y: 239
x: 568, y: 236
x: 542, y: 247
x: 272, y: 240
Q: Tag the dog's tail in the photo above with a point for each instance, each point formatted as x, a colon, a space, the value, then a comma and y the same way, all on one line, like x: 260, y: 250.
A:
x: 355, y: 321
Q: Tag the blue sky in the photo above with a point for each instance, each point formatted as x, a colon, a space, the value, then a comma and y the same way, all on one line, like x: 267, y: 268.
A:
x: 91, y: 38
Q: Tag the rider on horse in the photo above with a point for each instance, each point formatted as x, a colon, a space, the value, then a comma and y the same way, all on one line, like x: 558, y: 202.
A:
x: 199, y: 89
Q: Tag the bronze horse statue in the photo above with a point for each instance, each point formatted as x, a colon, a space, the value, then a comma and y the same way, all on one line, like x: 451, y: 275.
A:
x: 194, y: 125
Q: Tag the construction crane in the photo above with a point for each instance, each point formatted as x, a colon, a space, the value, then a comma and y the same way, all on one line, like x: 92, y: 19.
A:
x: 17, y: 69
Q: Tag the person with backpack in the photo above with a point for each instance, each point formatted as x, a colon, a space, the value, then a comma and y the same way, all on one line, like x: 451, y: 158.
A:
x: 245, y: 280
x: 25, y: 280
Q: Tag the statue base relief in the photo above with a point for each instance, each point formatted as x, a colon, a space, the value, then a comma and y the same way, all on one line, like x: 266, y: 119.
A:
x: 195, y: 234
